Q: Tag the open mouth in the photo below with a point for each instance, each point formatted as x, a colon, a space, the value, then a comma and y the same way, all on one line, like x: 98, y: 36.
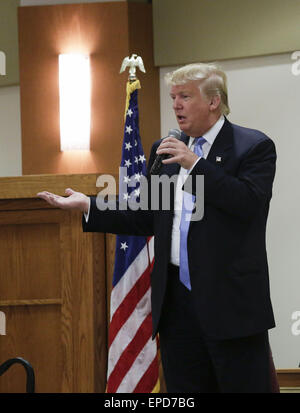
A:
x: 180, y: 118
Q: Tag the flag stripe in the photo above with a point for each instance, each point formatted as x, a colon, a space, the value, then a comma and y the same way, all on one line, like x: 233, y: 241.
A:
x: 136, y: 270
x: 149, y: 379
x: 139, y: 367
x: 128, y: 330
x: 129, y: 355
x: 128, y: 305
x: 151, y: 248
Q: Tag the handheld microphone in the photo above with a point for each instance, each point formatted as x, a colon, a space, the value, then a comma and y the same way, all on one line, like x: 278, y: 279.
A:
x: 174, y: 133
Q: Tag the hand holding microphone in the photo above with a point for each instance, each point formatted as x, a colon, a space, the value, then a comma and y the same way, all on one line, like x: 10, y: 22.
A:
x: 173, y: 150
x: 175, y: 133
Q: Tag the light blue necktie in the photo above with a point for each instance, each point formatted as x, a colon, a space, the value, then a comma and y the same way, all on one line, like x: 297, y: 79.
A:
x: 188, y: 201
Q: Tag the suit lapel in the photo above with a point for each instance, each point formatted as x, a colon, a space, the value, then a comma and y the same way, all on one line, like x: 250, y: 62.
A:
x: 220, y: 150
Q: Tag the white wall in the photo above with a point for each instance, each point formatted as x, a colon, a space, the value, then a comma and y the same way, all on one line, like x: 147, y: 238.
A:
x: 265, y: 95
x: 10, y: 132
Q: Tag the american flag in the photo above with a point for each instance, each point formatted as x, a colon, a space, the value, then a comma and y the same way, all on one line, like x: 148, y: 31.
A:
x: 133, y: 355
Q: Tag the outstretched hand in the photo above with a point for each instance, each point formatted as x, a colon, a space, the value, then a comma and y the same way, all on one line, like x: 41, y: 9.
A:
x: 74, y: 200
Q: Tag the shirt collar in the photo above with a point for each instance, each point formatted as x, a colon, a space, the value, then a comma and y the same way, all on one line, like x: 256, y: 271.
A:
x: 212, y: 133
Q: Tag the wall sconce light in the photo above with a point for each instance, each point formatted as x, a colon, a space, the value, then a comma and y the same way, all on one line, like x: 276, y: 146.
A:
x: 75, y: 101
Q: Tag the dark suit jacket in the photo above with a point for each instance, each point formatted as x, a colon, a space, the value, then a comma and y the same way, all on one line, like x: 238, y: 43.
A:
x: 226, y: 249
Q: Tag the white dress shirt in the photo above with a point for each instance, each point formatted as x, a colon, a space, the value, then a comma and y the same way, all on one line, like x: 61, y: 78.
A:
x: 210, y: 136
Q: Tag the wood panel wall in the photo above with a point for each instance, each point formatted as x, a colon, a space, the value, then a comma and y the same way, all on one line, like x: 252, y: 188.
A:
x: 108, y: 32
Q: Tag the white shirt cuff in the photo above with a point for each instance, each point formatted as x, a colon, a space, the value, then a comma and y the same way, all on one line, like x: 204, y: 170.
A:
x: 190, y: 170
x: 87, y: 214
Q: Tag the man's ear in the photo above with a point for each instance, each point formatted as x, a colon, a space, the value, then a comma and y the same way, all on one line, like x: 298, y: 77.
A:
x: 214, y: 102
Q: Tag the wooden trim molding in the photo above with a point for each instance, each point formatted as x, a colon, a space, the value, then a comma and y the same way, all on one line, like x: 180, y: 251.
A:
x: 289, y: 378
x: 27, y: 186
x: 47, y: 301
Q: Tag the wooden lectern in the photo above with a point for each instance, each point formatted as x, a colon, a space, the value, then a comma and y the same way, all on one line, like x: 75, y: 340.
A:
x: 52, y: 288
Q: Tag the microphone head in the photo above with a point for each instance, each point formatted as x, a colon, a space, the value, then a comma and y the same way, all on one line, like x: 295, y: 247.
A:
x: 176, y: 133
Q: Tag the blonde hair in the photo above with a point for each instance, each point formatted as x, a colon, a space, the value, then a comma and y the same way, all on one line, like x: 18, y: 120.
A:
x: 212, y: 81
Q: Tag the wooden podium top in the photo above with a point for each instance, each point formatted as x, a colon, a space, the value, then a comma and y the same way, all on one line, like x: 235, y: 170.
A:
x: 28, y: 186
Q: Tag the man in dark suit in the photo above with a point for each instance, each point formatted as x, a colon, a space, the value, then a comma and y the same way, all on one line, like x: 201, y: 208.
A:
x: 210, y: 285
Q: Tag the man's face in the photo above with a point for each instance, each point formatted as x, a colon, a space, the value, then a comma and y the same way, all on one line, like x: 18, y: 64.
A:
x: 192, y: 110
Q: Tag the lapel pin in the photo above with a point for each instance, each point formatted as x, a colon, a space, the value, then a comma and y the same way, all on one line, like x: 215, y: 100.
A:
x: 218, y: 159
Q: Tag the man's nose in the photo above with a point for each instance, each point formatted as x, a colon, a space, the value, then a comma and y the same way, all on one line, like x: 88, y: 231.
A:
x: 176, y: 103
